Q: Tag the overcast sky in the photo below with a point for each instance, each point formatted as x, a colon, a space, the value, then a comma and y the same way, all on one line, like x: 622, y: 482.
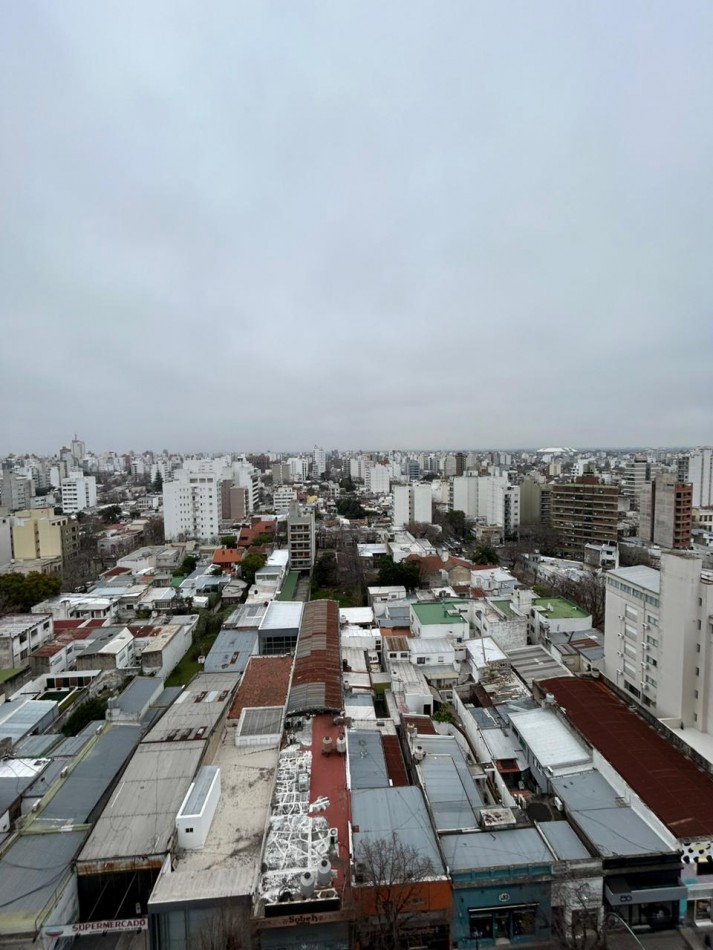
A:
x: 247, y: 226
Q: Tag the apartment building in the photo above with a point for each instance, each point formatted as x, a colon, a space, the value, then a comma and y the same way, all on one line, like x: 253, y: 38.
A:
x: 20, y: 634
x: 666, y: 512
x: 657, y: 643
x: 412, y: 503
x: 583, y: 512
x: 490, y: 499
x: 79, y: 492
x: 40, y: 533
x: 300, y: 538
x: 699, y: 472
x: 377, y: 479
x: 192, y: 505
x: 535, y: 501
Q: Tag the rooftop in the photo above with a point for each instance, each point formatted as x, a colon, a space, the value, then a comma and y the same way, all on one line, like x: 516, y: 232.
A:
x: 557, y: 608
x: 377, y: 813
x: 552, y: 743
x: 231, y: 651
x: 508, y: 847
x: 672, y: 786
x: 317, y: 677
x: 282, y: 615
x: 639, y: 576
x: 535, y: 663
x: 266, y: 682
x: 441, y: 612
x: 289, y: 585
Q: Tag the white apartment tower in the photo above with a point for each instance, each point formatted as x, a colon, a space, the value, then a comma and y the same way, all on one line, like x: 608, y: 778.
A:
x: 658, y: 643
x: 700, y: 475
x: 412, y: 503
x: 377, y: 479
x: 319, y: 458
x: 192, y: 502
x: 79, y: 492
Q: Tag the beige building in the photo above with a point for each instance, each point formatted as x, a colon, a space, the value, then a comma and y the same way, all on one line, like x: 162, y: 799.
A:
x: 40, y: 533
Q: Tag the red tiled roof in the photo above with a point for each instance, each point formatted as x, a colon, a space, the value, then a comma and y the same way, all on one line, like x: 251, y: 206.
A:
x: 673, y: 787
x: 116, y: 571
x: 388, y: 632
x: 227, y: 556
x: 144, y: 630
x: 265, y: 682
x: 432, y: 563
x: 50, y: 648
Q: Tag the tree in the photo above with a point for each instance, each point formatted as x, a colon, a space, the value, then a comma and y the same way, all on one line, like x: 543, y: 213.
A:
x: 587, y: 592
x: 250, y: 565
x: 85, y: 713
x: 576, y: 912
x: 20, y: 592
x: 392, y: 873
x: 485, y: 554
x: 157, y: 484
x: 188, y: 565
x: 110, y: 514
x: 351, y: 509
x: 404, y: 574
x: 421, y: 529
x: 229, y: 541
x: 325, y: 570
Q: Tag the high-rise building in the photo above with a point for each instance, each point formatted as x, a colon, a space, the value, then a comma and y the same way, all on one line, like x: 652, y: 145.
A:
x: 412, y: 503
x: 17, y: 491
x: 320, y: 460
x: 584, y: 512
x: 490, y: 499
x: 700, y: 475
x: 666, y: 512
x: 300, y: 538
x: 657, y: 643
x: 192, y: 503
x: 377, y: 479
x: 535, y: 501
x: 79, y: 492
x: 637, y: 472
x: 280, y: 474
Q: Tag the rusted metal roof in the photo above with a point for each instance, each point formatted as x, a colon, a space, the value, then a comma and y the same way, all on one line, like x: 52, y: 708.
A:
x: 673, y: 787
x: 317, y: 676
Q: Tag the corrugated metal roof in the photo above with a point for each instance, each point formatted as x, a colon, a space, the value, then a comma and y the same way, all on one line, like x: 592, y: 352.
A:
x: 317, y: 676
x: 19, y: 717
x: 508, y: 847
x: 378, y: 813
x: 673, y: 787
x: 563, y: 840
x: 612, y: 826
x: 84, y: 787
x: 31, y: 870
x: 367, y: 762
x: 552, y: 743
x: 139, y: 819
x: 138, y: 694
x: 231, y: 651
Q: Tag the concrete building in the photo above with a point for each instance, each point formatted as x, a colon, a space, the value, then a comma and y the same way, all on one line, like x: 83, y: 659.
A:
x: 582, y: 512
x: 377, y: 479
x: 490, y: 499
x: 700, y: 475
x: 535, y: 501
x: 20, y: 634
x: 5, y: 540
x: 282, y: 498
x: 39, y: 533
x: 300, y: 538
x: 280, y: 473
x: 79, y: 492
x: 192, y: 505
x: 412, y: 503
x: 666, y: 512
x: 637, y: 473
x: 319, y: 461
x: 657, y: 643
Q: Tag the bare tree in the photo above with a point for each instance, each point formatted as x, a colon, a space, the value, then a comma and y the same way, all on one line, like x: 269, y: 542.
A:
x: 392, y: 873
x: 226, y: 929
x: 576, y: 912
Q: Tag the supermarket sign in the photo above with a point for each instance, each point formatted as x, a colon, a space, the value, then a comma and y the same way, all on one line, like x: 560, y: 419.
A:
x: 96, y: 927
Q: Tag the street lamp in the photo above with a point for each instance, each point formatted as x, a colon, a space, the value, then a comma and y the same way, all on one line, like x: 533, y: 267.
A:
x: 622, y: 921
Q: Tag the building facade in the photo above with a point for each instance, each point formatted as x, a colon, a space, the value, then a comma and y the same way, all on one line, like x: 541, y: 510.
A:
x: 583, y: 512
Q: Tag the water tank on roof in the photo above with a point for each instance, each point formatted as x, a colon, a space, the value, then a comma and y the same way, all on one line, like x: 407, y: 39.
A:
x: 327, y: 745
x: 324, y: 872
x: 307, y: 883
x: 341, y: 744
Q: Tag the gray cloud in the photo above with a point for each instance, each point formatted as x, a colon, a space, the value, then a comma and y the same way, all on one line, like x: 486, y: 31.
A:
x: 261, y: 225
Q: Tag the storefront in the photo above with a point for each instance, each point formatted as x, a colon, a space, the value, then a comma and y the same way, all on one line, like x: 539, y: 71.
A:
x: 644, y: 906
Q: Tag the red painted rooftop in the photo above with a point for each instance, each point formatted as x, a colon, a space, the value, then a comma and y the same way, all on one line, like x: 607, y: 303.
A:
x: 265, y: 682
x: 329, y: 779
x: 423, y: 724
x: 672, y: 786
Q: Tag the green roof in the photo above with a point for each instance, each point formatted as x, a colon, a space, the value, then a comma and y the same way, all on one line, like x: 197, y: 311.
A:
x: 290, y: 586
x: 8, y: 674
x: 441, y: 612
x: 177, y: 580
x: 561, y: 609
x: 505, y: 607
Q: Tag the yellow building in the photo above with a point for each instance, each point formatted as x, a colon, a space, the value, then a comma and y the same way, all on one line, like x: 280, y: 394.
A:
x: 41, y: 533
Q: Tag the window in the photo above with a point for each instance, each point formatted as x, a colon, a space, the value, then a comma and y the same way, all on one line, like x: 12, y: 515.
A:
x: 189, y: 831
x: 421, y: 659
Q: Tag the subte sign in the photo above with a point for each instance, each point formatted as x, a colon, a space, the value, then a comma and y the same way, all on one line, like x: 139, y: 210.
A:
x: 96, y: 927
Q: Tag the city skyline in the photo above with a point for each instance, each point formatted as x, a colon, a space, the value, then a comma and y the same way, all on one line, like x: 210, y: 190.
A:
x: 411, y: 225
